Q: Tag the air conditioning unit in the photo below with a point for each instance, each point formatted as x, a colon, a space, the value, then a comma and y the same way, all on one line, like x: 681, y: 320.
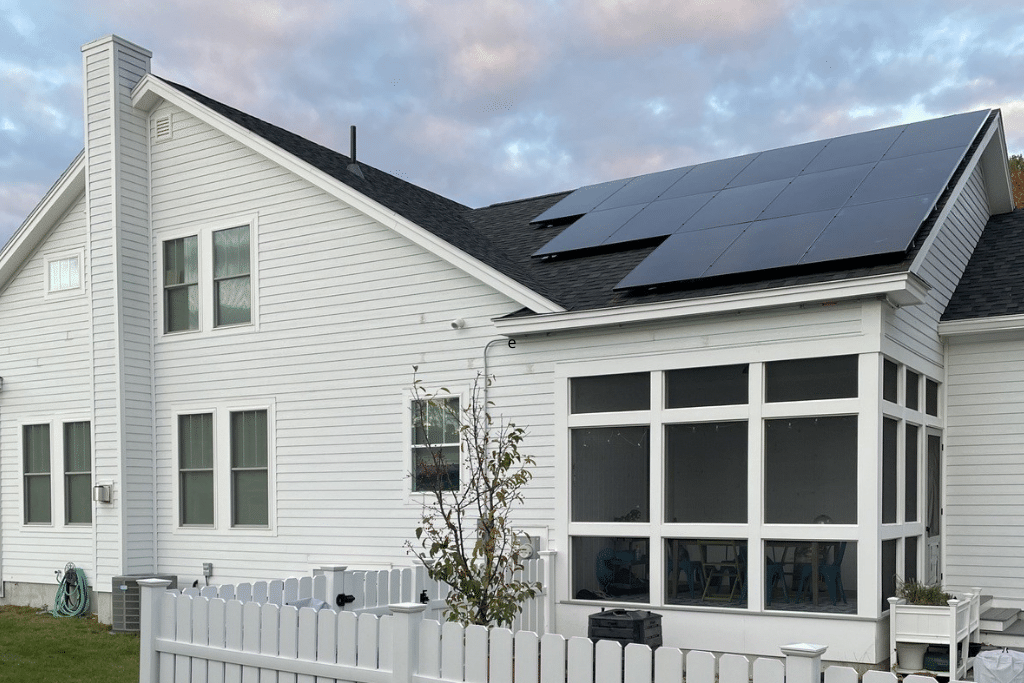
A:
x: 127, y: 601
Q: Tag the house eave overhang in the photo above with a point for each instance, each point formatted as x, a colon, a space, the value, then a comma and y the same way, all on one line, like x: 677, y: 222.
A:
x: 900, y: 289
x: 50, y: 209
x: 1002, y: 325
x: 150, y: 91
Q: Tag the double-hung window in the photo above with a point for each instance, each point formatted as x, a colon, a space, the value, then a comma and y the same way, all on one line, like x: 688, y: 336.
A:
x: 77, y: 473
x: 208, y: 280
x: 36, y: 453
x: 435, y: 444
x: 224, y: 468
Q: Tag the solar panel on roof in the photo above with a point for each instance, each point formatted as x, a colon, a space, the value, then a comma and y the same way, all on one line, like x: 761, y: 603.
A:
x: 928, y: 136
x: 683, y: 256
x: 772, y: 243
x: 589, y: 231
x: 879, y: 186
x: 785, y: 162
x: 581, y: 201
x: 871, y: 229
x: 643, y: 189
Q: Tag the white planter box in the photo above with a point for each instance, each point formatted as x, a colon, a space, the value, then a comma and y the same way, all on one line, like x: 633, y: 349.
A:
x: 954, y: 626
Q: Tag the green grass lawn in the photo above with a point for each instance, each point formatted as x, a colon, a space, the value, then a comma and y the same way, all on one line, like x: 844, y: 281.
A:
x: 40, y: 648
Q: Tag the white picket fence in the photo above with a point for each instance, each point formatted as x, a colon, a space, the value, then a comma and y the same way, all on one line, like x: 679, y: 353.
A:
x: 372, y: 590
x: 196, y: 639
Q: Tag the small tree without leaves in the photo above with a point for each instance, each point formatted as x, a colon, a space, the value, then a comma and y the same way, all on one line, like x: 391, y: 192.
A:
x: 466, y: 537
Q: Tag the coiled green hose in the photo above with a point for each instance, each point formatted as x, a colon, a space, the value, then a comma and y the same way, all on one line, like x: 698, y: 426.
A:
x: 72, y: 594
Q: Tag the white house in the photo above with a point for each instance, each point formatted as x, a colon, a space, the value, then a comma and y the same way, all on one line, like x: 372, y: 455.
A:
x: 218, y: 319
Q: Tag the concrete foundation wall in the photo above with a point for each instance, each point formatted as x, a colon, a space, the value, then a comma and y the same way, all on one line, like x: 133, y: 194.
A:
x: 41, y: 595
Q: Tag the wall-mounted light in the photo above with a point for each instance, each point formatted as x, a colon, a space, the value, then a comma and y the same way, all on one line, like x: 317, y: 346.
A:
x: 458, y: 324
x: 101, y: 493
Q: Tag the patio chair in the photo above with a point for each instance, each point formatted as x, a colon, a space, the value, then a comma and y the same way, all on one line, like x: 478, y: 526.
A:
x: 693, y: 569
x: 829, y: 572
x: 774, y: 573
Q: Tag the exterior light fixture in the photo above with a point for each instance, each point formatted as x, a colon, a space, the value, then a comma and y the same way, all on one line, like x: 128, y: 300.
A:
x: 101, y: 493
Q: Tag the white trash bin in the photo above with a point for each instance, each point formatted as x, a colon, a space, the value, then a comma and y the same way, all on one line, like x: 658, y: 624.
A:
x: 999, y: 666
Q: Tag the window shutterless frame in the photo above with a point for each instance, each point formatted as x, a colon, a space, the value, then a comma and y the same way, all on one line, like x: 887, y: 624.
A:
x: 63, y: 274
x: 37, y: 490
x: 77, y: 473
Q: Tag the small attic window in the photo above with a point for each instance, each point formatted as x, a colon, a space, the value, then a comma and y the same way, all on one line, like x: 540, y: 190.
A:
x: 163, y: 128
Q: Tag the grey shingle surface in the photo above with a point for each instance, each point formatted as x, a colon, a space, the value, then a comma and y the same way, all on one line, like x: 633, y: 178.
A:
x: 993, y: 283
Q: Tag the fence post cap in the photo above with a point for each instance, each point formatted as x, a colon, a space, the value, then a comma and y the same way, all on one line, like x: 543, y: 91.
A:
x: 407, y: 607
x: 804, y: 650
x: 154, y: 583
x: 333, y: 567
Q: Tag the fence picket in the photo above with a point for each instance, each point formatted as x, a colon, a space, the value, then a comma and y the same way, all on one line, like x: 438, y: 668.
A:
x: 269, y: 630
x: 774, y: 671
x: 305, y: 587
x: 215, y: 670
x: 395, y: 584
x: 370, y: 589
x: 700, y: 667
x: 501, y: 656
x: 348, y: 638
x: 320, y: 589
x: 430, y: 649
x: 476, y: 665
x: 233, y: 638
x: 291, y: 590
x: 200, y: 636
x: 383, y: 587
x: 733, y: 669
x: 250, y: 639
x: 453, y: 651
x: 183, y: 634
x: 639, y: 663
x: 527, y: 657
x: 275, y: 592
x: 552, y: 658
x: 259, y: 592
x: 243, y: 592
x: 209, y: 591
x: 607, y: 662
x: 881, y: 677
x: 668, y: 665
x: 581, y: 658
x: 288, y: 639
x: 226, y: 593
x: 385, y: 643
x: 838, y: 674
x: 326, y: 640
x: 368, y: 642
x: 307, y: 640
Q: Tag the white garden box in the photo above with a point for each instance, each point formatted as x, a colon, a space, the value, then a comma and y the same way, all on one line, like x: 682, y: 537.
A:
x: 954, y: 625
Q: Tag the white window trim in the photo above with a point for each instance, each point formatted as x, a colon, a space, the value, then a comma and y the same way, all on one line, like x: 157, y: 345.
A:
x: 63, y: 293
x: 58, y: 511
x: 221, y: 412
x: 204, y: 232
x: 463, y: 394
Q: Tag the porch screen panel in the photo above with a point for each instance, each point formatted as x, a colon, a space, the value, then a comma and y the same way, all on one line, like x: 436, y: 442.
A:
x: 706, y: 472
x: 910, y: 473
x: 721, y: 385
x: 249, y: 476
x: 611, y: 474
x: 890, y: 446
x: 195, y: 454
x: 77, y: 473
x: 811, y: 470
x: 809, y: 379
x: 36, y: 454
x: 610, y: 393
x: 888, y: 572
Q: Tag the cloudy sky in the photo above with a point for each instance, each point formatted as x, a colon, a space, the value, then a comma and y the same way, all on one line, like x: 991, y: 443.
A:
x: 489, y: 100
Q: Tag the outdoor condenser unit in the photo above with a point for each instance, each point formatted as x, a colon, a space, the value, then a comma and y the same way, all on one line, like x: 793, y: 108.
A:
x: 127, y: 601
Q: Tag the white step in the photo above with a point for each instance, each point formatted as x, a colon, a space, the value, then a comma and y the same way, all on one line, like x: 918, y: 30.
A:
x: 999, y: 619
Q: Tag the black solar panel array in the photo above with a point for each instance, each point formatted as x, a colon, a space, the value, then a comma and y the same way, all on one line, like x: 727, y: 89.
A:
x: 853, y: 196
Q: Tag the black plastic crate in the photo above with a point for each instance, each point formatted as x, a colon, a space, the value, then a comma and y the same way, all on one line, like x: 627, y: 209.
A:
x: 626, y: 626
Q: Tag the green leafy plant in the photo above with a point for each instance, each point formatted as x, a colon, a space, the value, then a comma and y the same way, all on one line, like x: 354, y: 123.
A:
x: 466, y: 537
x: 916, y: 593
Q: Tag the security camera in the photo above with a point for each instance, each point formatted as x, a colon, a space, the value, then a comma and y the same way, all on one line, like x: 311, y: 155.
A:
x: 458, y: 324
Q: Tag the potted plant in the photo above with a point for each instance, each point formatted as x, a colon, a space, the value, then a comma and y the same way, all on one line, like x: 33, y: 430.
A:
x: 921, y: 615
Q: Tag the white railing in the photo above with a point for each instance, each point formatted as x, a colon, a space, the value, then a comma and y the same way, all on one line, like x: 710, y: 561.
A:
x: 196, y: 639
x: 372, y: 590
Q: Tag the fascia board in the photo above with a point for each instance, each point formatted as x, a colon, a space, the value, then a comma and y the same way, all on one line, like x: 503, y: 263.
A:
x: 148, y: 91
x: 981, y: 326
x: 50, y: 209
x: 926, y: 249
x: 902, y: 289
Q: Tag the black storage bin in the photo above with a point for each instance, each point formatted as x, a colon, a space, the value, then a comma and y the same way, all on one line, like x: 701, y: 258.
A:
x: 626, y: 626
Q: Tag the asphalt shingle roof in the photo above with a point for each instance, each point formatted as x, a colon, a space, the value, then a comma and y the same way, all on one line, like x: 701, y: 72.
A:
x: 501, y: 236
x: 993, y: 282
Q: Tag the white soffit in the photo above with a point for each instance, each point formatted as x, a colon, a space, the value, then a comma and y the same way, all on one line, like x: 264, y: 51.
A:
x: 151, y: 90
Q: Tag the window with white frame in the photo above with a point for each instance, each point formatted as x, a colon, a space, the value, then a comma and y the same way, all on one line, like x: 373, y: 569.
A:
x: 224, y: 468
x: 36, y: 459
x: 63, y: 274
x: 77, y: 473
x: 208, y: 279
x: 435, y: 443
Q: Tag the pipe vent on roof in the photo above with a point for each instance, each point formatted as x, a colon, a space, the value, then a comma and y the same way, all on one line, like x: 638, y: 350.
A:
x: 353, y: 166
x: 163, y: 128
